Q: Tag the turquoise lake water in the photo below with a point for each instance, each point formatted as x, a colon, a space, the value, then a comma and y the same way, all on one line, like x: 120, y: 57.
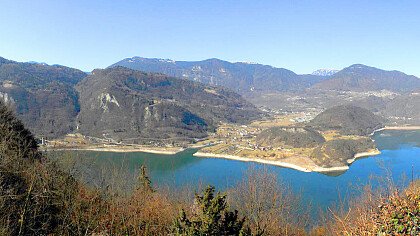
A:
x: 399, y: 159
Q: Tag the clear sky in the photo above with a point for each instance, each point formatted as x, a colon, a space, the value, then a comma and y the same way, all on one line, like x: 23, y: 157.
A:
x: 299, y: 35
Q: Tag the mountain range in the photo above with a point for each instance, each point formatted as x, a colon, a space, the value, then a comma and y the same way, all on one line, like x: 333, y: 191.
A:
x: 250, y: 77
x: 365, y: 78
x: 240, y: 77
x: 117, y: 103
x: 165, y: 99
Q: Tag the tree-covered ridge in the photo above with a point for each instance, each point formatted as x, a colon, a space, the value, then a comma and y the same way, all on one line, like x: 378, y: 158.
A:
x: 348, y: 120
x: 337, y: 152
x: 47, y: 100
x: 16, y: 140
x: 241, y: 77
x: 43, y: 96
x: 124, y: 104
x: 291, y: 136
x: 364, y: 78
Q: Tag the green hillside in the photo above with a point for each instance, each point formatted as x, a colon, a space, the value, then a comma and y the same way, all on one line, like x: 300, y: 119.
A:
x: 348, y: 120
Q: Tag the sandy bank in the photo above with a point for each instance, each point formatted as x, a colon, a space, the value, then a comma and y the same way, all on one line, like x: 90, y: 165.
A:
x: 291, y: 165
x: 117, y: 149
x: 364, y: 154
x: 258, y: 160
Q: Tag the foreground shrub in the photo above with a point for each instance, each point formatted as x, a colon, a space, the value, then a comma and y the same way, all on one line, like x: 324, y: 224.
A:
x: 400, y: 213
x: 386, y: 213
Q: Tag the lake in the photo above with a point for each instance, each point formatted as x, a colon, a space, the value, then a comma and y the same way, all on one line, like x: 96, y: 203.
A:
x: 399, y: 160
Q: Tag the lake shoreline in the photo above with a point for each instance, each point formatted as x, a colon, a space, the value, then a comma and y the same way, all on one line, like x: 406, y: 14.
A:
x: 285, y: 164
x: 118, y: 150
x: 396, y: 128
x: 258, y: 160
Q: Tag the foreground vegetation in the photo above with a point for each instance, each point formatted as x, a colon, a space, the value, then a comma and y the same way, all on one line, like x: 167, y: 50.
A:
x: 40, y: 197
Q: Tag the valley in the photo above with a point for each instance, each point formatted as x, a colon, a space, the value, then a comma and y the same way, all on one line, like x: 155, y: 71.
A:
x: 245, y: 143
x: 242, y: 111
x: 208, y: 118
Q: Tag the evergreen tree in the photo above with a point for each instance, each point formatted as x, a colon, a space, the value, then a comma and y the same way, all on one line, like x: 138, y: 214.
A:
x: 210, y: 217
x: 144, y: 182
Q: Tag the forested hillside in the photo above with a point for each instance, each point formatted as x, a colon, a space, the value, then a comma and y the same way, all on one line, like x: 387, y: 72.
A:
x: 126, y: 104
x: 241, y: 77
x: 43, y: 96
x: 364, y: 78
x: 348, y: 120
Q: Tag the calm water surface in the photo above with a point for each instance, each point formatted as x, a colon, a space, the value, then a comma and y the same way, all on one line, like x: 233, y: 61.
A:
x: 400, y: 159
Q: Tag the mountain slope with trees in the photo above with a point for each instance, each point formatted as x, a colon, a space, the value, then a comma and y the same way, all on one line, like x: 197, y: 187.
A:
x: 291, y: 136
x: 364, y: 78
x: 348, y: 120
x: 251, y: 77
x: 240, y: 76
x: 43, y: 96
x: 49, y: 99
x: 124, y: 104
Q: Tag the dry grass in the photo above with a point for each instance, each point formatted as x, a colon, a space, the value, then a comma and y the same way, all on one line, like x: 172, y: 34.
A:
x: 279, y: 120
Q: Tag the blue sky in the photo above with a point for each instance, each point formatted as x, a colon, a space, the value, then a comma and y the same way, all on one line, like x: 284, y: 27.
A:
x: 299, y: 35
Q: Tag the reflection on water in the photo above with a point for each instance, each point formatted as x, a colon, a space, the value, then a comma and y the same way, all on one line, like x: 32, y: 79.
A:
x: 399, y: 158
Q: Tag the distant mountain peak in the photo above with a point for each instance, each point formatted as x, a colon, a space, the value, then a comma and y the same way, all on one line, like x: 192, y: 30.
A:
x: 249, y: 62
x: 325, y: 72
x: 142, y: 59
x: 359, y: 77
x: 37, y: 63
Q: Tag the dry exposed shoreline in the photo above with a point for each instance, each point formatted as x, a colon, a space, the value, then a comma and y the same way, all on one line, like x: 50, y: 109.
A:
x: 119, y: 149
x: 258, y: 160
x: 172, y: 151
x: 290, y: 165
x: 310, y: 168
x: 349, y: 161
